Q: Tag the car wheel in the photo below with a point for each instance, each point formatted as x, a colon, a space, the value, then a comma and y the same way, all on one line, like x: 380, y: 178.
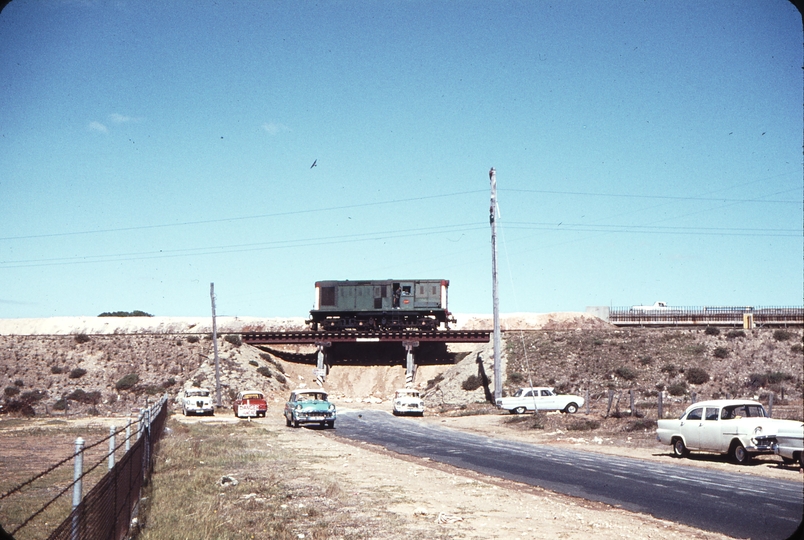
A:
x: 519, y: 410
x: 788, y: 461
x: 287, y: 421
x: 331, y: 424
x: 295, y: 423
x: 572, y: 408
x: 184, y: 411
x: 679, y: 448
x: 740, y: 454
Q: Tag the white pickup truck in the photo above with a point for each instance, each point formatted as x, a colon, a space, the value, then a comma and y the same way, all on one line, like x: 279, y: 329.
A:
x: 540, y: 398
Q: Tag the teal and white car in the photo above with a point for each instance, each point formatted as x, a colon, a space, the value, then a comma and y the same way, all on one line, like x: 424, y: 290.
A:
x: 308, y: 406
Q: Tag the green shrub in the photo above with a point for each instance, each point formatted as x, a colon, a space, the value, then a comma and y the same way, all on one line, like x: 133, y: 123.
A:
x: 84, y: 397
x: 757, y: 380
x: 168, y: 383
x: 516, y: 378
x: 677, y: 389
x: 60, y: 405
x: 127, y: 381
x: 472, y: 382
x: 281, y: 378
x: 56, y: 370
x: 265, y: 372
x: 77, y: 373
x: 19, y: 382
x: 712, y: 331
x: 721, y: 352
x: 33, y: 396
x: 234, y: 339
x: 782, y: 335
x: 696, y: 376
x: 253, y: 363
x: 192, y: 339
x: 670, y: 369
x: 81, y: 338
x: 11, y: 391
x: 643, y: 424
x: 696, y: 350
x: 153, y: 390
x: 646, y: 360
x: 625, y: 372
x: 135, y: 313
x: 583, y: 425
x: 797, y: 348
x: 735, y: 334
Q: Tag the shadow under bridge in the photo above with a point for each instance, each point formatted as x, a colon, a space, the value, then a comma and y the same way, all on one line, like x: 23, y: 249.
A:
x: 409, y: 348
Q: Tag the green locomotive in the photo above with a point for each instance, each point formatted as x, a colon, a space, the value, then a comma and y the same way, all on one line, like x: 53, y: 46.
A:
x: 391, y: 304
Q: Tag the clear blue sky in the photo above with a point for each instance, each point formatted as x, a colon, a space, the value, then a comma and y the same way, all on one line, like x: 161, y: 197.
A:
x: 644, y: 150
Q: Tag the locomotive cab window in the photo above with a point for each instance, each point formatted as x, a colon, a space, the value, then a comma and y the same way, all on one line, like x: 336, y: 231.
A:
x: 406, y: 290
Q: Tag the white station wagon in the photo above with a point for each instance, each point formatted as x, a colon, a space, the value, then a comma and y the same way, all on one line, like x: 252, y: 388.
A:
x: 737, y: 427
x: 542, y: 398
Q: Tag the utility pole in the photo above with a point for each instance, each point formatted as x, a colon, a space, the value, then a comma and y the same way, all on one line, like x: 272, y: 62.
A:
x: 215, y: 348
x: 496, y: 300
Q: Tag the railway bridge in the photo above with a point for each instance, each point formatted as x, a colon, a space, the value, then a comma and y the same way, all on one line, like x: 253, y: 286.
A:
x: 410, y: 340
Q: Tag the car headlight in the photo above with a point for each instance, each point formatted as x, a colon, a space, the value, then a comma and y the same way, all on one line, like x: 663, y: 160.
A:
x: 298, y: 407
x: 332, y: 407
x: 758, y: 430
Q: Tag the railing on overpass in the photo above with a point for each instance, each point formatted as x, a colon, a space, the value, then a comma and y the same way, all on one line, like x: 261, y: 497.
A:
x: 747, y: 316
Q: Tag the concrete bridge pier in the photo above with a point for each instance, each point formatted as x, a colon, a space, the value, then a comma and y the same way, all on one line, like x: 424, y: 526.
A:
x: 410, y: 372
x: 321, y: 362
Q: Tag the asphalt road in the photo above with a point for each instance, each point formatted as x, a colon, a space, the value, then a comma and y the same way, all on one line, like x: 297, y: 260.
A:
x: 739, y: 505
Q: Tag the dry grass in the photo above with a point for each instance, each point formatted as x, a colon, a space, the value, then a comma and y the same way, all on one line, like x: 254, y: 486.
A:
x: 48, y: 442
x: 278, y: 494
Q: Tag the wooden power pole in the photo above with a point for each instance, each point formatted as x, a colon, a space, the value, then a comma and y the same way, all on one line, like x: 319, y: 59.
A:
x: 215, y: 348
x: 496, y: 300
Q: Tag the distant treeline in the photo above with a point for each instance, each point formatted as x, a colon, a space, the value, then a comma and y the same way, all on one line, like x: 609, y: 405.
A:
x: 135, y: 313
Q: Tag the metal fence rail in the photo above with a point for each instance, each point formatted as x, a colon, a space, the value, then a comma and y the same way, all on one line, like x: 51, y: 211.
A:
x: 743, y: 317
x: 106, y: 511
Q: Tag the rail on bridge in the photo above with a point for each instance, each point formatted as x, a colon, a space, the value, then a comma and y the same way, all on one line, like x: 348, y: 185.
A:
x: 316, y: 337
x: 743, y: 317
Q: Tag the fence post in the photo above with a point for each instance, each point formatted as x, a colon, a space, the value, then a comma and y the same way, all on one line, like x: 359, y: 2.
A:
x: 112, y: 430
x: 611, y: 398
x: 587, y: 400
x: 694, y: 397
x: 78, y: 473
x: 128, y: 435
x: 631, y: 396
x: 770, y: 405
x: 660, y: 411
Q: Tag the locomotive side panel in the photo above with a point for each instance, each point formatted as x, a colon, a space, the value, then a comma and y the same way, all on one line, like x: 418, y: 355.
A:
x: 380, y: 304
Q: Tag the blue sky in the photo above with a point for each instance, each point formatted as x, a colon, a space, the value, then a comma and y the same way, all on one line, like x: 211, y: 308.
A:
x: 644, y: 151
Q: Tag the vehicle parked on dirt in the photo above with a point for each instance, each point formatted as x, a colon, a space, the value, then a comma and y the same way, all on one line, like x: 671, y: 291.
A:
x: 408, y: 401
x: 790, y: 443
x: 250, y: 403
x: 308, y: 406
x: 737, y: 427
x: 540, y: 398
x: 196, y: 401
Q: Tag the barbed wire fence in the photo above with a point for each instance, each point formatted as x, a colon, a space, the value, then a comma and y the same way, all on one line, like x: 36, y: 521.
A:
x: 108, y: 508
